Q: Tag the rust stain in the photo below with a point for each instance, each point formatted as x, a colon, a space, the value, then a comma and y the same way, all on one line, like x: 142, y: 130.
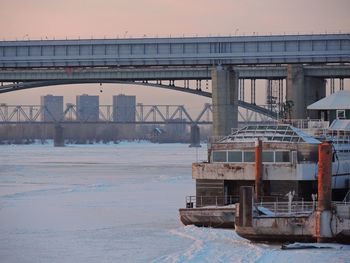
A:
x: 274, y: 224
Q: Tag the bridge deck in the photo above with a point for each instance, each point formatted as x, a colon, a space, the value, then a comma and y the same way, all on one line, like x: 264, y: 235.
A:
x: 327, y: 48
x: 174, y: 73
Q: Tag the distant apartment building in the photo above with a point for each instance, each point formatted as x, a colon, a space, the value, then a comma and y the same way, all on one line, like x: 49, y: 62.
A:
x: 52, y: 108
x: 87, y: 108
x: 124, y: 108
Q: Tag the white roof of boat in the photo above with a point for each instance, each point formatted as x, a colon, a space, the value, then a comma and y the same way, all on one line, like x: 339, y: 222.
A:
x: 340, y: 125
x: 275, y: 133
x: 339, y: 100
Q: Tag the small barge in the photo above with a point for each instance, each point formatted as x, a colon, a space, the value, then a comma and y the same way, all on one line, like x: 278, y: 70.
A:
x: 324, y: 221
x: 294, y: 222
x: 209, y: 216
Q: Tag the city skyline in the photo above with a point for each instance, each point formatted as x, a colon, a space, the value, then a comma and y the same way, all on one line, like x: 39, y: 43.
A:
x: 39, y: 19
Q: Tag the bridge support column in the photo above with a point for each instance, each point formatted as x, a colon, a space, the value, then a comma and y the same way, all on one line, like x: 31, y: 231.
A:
x: 195, y: 136
x: 303, y: 91
x: 224, y: 100
x: 58, y: 136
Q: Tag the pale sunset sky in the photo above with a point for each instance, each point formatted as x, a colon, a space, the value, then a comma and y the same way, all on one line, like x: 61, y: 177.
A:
x: 36, y: 19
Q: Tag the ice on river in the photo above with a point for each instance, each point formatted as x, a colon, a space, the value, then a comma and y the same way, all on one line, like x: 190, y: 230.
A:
x: 115, y: 203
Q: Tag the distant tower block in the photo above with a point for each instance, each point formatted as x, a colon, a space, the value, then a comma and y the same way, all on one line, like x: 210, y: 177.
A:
x: 195, y: 136
x: 124, y: 108
x: 87, y: 108
x: 53, y: 108
x: 58, y: 136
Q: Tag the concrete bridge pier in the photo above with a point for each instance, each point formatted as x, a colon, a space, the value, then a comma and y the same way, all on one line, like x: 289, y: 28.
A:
x: 224, y: 100
x: 58, y: 138
x: 195, y: 136
x: 303, y: 91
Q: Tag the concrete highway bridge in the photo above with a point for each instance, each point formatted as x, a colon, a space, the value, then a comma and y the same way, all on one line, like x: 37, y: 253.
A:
x: 303, y: 61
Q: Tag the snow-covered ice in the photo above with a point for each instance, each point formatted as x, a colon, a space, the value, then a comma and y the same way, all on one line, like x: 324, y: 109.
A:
x: 115, y: 203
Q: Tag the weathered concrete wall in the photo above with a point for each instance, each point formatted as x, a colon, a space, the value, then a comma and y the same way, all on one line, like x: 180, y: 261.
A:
x: 223, y: 171
x: 242, y: 171
x: 251, y: 146
x: 209, y: 192
x: 224, y: 100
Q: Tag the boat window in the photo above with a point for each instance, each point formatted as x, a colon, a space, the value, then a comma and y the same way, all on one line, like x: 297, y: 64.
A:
x: 340, y: 114
x: 219, y: 156
x: 282, y: 157
x: 249, y: 157
x: 235, y: 156
x: 267, y: 157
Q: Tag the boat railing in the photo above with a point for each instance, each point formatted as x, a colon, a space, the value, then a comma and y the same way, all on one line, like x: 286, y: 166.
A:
x: 201, y: 201
x: 347, y: 198
x: 314, y: 127
x: 338, y: 137
x: 285, y: 208
x: 306, y: 124
x: 214, y: 139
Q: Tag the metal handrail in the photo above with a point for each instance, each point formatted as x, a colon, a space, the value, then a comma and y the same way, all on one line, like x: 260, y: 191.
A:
x: 305, y: 123
x: 286, y: 208
x: 204, y: 200
x: 200, y: 201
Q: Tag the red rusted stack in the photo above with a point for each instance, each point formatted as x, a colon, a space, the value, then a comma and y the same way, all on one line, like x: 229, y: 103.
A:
x: 258, y: 169
x: 324, y: 176
x: 324, y: 192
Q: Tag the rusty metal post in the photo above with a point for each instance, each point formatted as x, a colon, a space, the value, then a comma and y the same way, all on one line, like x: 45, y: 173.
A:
x: 258, y: 169
x: 324, y: 176
x: 323, y: 215
x: 245, y: 213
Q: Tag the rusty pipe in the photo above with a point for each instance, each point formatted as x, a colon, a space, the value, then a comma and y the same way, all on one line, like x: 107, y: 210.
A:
x: 323, y: 214
x: 258, y: 169
x: 324, y: 176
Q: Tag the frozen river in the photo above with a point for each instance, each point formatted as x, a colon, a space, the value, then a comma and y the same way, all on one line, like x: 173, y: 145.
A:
x: 115, y: 203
